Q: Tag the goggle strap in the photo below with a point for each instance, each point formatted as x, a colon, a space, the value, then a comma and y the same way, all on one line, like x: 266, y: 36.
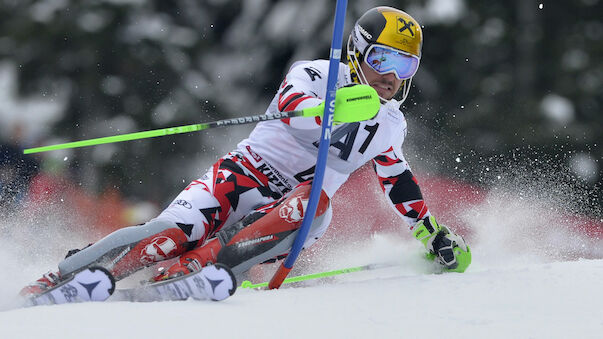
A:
x: 356, y: 62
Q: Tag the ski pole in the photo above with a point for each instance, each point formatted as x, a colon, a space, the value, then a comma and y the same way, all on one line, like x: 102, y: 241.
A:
x: 164, y: 131
x: 354, y: 103
x: 248, y: 284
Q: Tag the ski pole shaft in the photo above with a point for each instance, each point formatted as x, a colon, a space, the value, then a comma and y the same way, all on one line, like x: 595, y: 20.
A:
x: 167, y: 131
x: 248, y: 284
x: 353, y: 104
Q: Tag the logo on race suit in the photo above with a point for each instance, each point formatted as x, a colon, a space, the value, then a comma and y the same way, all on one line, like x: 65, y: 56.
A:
x: 254, y: 155
x: 403, y: 26
x: 159, y: 249
x: 314, y: 73
x: 274, y: 177
x: 260, y: 240
x: 293, y: 210
x: 184, y: 204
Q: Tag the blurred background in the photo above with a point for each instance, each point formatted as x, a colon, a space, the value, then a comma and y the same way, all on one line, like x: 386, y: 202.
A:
x: 507, y: 91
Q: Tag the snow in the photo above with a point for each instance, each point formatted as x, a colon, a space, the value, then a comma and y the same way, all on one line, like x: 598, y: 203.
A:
x: 528, y: 279
x: 438, y: 11
x: 585, y: 167
x: 538, y: 299
x: 558, y: 109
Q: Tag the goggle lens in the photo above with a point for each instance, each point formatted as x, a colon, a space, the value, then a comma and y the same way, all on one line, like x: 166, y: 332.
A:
x: 387, y: 60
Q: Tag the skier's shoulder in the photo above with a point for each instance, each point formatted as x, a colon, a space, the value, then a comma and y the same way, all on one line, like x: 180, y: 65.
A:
x: 315, y: 69
x: 319, y: 64
x: 391, y: 111
x: 392, y: 127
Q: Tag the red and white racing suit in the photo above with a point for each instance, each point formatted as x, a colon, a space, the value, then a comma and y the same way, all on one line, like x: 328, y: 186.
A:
x: 261, y: 174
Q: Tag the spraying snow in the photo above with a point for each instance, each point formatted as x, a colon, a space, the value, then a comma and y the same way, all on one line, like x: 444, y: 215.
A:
x: 526, y: 279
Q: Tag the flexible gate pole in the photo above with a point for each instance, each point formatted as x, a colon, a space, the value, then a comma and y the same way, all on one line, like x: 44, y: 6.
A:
x: 323, y: 148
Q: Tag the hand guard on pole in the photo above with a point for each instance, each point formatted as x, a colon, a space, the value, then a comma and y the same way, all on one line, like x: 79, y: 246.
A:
x: 352, y: 104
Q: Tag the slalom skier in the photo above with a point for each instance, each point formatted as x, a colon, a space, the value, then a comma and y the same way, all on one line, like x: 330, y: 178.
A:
x: 246, y: 209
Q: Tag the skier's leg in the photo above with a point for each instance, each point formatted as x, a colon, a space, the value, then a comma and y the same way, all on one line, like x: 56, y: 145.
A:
x: 129, y: 249
x: 266, y: 233
x: 227, y: 192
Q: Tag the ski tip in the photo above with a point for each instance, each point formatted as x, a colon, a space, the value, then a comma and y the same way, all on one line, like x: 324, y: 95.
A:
x: 108, y: 274
x: 89, y: 284
x: 94, y: 283
x: 222, y: 280
x: 232, y: 290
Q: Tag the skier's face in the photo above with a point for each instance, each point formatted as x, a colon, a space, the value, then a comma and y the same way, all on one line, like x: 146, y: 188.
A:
x: 386, y: 85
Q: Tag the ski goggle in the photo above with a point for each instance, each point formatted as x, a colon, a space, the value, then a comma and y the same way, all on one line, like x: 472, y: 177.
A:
x: 383, y: 60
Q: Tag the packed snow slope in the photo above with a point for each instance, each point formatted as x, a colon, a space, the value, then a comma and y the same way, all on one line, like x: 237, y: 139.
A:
x: 535, y: 300
x: 534, y: 275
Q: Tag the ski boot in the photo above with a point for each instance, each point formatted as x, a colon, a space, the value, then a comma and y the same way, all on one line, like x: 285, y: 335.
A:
x: 46, y: 282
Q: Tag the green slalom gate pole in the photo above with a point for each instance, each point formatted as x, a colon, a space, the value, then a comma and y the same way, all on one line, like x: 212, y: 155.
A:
x: 355, y: 103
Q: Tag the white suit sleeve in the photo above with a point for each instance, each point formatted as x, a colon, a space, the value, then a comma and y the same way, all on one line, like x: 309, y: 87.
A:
x: 298, y: 91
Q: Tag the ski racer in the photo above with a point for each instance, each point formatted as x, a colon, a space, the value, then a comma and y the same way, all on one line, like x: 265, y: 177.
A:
x: 246, y: 209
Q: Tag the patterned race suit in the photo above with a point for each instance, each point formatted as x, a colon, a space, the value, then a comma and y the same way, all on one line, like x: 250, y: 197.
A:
x: 243, y: 191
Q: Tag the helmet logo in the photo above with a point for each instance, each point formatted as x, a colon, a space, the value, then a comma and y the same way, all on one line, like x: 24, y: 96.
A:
x: 365, y: 33
x: 403, y: 25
